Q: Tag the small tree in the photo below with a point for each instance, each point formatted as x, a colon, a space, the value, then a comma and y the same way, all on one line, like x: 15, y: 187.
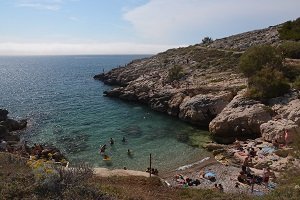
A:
x: 290, y: 49
x: 175, y: 73
x: 255, y: 58
x: 207, y: 40
x: 267, y: 83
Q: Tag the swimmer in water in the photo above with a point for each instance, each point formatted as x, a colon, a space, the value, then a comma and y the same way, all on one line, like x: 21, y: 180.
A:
x: 111, y: 141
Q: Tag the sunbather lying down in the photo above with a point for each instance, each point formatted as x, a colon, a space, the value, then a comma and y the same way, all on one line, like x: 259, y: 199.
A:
x: 208, y: 175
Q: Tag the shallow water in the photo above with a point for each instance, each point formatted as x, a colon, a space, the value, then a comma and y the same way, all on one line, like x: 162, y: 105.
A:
x: 66, y: 108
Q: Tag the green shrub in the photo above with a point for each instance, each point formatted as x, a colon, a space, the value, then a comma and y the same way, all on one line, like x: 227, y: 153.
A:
x: 296, y: 83
x: 207, y: 40
x: 175, y: 73
x: 267, y: 83
x: 290, y: 49
x: 255, y: 58
x: 291, y: 71
x: 290, y: 30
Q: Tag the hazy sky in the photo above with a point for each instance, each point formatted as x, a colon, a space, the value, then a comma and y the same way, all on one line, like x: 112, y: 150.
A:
x: 129, y: 26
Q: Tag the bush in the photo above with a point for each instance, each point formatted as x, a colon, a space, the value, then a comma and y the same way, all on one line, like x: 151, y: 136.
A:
x: 207, y: 40
x: 255, y: 58
x: 296, y: 83
x: 267, y: 83
x: 290, y: 49
x: 290, y: 30
x: 175, y: 73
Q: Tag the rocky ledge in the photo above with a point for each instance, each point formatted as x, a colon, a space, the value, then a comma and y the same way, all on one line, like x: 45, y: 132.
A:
x: 8, y: 127
x: 200, y: 84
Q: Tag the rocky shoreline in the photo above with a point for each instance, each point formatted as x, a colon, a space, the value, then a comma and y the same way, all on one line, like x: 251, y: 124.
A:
x: 209, y: 91
x: 11, y: 143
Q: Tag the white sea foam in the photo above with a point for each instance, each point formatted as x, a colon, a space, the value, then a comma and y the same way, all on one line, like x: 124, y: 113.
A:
x: 191, y: 165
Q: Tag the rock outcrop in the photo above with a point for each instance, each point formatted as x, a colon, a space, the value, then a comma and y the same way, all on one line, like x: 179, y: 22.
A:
x: 245, y: 40
x: 240, y: 118
x: 204, y: 89
x: 8, y: 126
x: 275, y: 130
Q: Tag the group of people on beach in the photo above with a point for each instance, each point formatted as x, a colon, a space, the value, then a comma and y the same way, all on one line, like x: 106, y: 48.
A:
x: 247, y: 176
x: 152, y: 171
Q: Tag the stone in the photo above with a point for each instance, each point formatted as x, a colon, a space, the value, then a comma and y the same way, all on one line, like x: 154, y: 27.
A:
x: 240, y: 118
x: 13, y: 125
x: 202, y: 108
x: 275, y: 130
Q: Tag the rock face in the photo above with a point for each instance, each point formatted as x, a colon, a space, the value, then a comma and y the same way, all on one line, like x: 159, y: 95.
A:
x: 287, y: 109
x: 245, y: 40
x: 240, y: 118
x: 204, y: 88
x: 275, y: 130
x: 202, y: 108
x: 7, y: 126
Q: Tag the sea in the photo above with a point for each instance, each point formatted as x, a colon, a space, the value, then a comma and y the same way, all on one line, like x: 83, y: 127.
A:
x: 65, y: 107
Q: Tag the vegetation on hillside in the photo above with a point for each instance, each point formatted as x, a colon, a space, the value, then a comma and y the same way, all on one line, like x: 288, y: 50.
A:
x: 175, y: 73
x: 290, y: 30
x: 270, y: 73
x: 290, y: 49
x: 207, y: 40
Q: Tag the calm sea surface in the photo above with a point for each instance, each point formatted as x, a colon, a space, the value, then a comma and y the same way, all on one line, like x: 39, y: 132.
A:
x: 65, y: 107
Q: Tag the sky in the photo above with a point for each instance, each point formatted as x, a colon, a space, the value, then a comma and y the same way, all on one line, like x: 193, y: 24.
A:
x: 65, y: 27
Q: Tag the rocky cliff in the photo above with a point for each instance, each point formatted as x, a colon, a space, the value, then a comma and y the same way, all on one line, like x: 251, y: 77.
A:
x: 199, y: 84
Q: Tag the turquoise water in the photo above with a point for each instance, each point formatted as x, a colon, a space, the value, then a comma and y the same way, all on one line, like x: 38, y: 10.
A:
x: 65, y: 107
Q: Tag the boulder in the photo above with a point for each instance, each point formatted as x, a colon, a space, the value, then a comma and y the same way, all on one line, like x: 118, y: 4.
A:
x: 174, y: 104
x: 202, y: 108
x: 272, y: 130
x: 3, y: 132
x: 291, y: 111
x: 5, y: 135
x: 241, y: 118
x: 13, y: 125
x: 3, y: 114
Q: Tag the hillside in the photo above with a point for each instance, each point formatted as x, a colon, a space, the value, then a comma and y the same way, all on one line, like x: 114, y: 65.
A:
x: 196, y: 83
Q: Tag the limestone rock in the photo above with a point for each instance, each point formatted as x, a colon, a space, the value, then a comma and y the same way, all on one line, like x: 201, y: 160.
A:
x: 276, y: 130
x: 240, y: 118
x: 202, y: 108
x: 174, y: 103
x: 291, y: 111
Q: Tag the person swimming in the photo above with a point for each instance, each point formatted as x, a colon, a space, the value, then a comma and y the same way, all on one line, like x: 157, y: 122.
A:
x: 129, y: 152
x: 111, y: 141
x: 106, y: 157
x: 102, y: 148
